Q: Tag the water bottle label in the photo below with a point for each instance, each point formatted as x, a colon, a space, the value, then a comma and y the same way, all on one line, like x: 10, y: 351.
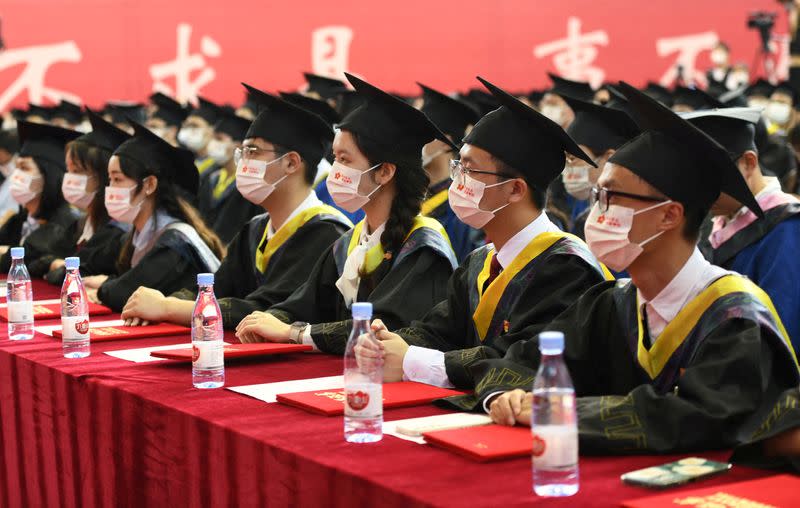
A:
x: 208, y: 354
x: 555, y: 446
x: 363, y: 401
x: 20, y: 312
x: 75, y: 328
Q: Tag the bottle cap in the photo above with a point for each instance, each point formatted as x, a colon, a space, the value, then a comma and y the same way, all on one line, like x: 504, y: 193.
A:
x: 17, y: 252
x: 551, y: 342
x: 205, y: 279
x: 72, y: 263
x: 362, y: 310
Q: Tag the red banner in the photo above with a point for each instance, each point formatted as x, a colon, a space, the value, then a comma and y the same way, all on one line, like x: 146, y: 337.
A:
x: 92, y: 51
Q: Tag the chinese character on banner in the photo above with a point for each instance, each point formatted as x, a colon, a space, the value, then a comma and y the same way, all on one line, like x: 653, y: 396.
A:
x: 687, y: 47
x: 37, y: 60
x: 574, y: 55
x: 330, y: 49
x: 186, y: 89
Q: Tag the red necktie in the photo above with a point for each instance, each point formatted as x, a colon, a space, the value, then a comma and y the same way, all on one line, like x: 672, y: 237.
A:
x: 494, y: 271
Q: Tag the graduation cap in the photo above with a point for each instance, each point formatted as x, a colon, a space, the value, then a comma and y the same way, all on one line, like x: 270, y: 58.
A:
x: 659, y: 93
x: 319, y: 107
x: 399, y: 129
x: 734, y: 98
x: 42, y: 141
x: 575, y: 89
x: 69, y: 111
x: 43, y: 112
x: 600, y: 127
x: 168, y: 109
x: 694, y: 98
x: 451, y: 115
x: 290, y: 126
x: 679, y: 159
x: 121, y: 111
x: 327, y: 88
x: 348, y: 102
x: 618, y: 101
x: 233, y: 125
x: 485, y: 102
x: 733, y: 128
x: 786, y: 88
x: 206, y: 110
x: 760, y: 88
x: 170, y: 163
x: 103, y: 134
x: 524, y: 139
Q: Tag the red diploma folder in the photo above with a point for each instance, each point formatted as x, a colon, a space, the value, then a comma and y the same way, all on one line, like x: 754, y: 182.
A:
x: 331, y: 402
x: 235, y: 351
x: 779, y: 491
x: 103, y: 333
x: 53, y: 311
x: 485, y: 443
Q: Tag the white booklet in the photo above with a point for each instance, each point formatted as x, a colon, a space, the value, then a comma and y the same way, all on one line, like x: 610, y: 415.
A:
x: 48, y: 330
x: 35, y: 302
x: 412, y: 429
x: 142, y: 354
x: 269, y: 391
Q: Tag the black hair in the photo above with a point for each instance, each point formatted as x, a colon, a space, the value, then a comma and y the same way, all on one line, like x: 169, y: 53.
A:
x: 694, y: 216
x: 93, y: 159
x: 309, y: 170
x: 538, y: 196
x: 51, y: 198
x: 9, y: 141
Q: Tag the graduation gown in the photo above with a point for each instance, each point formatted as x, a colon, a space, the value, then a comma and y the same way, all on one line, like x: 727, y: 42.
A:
x: 548, y: 275
x: 401, y: 288
x: 463, y: 238
x: 705, y: 383
x: 226, y: 212
x: 241, y: 287
x: 53, y: 239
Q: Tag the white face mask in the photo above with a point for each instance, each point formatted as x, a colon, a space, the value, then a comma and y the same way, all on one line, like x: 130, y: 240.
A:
x: 220, y: 151
x: 74, y: 189
x: 554, y: 113
x: 719, y: 57
x: 193, y: 138
x: 24, y: 186
x: 576, y: 181
x: 737, y: 79
x: 607, y: 235
x: 778, y: 112
x: 465, y: 199
x: 84, y: 127
x: 343, y: 182
x: 250, y: 179
x: 119, y: 204
x: 10, y: 125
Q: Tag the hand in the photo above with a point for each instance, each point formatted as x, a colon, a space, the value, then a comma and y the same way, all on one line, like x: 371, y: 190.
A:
x: 785, y: 444
x: 369, y: 353
x: 3, y: 249
x: 394, y: 352
x: 56, y: 264
x: 145, y: 306
x: 91, y: 295
x: 95, y: 281
x: 512, y: 407
x: 262, y: 327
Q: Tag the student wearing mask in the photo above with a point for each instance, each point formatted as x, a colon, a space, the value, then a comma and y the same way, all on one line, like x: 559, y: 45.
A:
x: 780, y: 113
x: 166, y: 118
x: 9, y: 147
x: 720, y: 70
x: 395, y: 258
x: 272, y: 254
x: 198, y: 130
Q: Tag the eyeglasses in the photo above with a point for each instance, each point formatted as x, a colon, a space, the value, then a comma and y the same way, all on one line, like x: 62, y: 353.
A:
x: 250, y: 152
x: 603, y: 196
x: 457, y: 170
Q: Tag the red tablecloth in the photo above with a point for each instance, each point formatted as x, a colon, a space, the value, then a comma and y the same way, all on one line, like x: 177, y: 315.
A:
x: 105, y: 432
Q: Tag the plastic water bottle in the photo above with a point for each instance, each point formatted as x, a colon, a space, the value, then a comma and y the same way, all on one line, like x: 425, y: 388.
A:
x: 74, y: 312
x: 208, y: 360
x: 19, y: 297
x: 554, y: 422
x: 363, y: 385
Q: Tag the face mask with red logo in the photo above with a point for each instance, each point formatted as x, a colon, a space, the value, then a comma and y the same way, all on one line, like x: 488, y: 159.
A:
x: 250, y: 179
x: 73, y: 187
x: 343, y: 182
x: 465, y: 196
x: 607, y: 235
x: 120, y: 206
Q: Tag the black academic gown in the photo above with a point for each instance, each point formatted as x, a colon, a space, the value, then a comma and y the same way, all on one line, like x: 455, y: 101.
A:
x: 52, y: 240
x: 241, y: 288
x: 228, y: 213
x: 400, y: 289
x: 710, y: 392
x: 98, y: 254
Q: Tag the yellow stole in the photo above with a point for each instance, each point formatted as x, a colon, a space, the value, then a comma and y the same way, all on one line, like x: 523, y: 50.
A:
x: 433, y: 202
x: 376, y: 255
x: 225, y: 179
x: 203, y: 165
x: 654, y: 359
x: 286, y: 231
x: 482, y: 317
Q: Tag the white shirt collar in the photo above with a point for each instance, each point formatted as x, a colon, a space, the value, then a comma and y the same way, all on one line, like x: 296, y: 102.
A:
x: 773, y: 185
x: 311, y: 201
x: 370, y: 240
x: 518, y: 242
x: 154, y: 224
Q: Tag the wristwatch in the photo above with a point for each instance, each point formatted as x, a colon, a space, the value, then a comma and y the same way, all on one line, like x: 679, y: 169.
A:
x: 296, y: 332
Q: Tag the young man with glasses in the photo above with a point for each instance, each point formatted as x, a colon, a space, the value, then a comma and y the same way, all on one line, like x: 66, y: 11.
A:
x: 505, y: 291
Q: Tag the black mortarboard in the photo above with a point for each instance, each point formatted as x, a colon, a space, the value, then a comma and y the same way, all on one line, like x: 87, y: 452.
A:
x: 327, y: 88
x: 44, y: 141
x: 786, y: 88
x: 734, y: 98
x: 170, y: 163
x: 18, y: 114
x: 233, y: 125
x: 536, y: 96
x: 659, y: 93
x: 485, y: 102
x: 399, y: 129
x: 760, y: 88
x: 618, y: 101
x: 679, y: 159
x: 733, y: 128
x: 206, y: 110
x: 600, y: 127
x: 348, y: 102
x: 69, y: 111
x: 320, y: 107
x: 451, y: 115
x: 44, y: 112
x: 524, y: 139
x: 168, y: 109
x: 120, y: 112
x: 575, y: 89
x: 104, y: 134
x: 694, y: 98
x: 290, y: 126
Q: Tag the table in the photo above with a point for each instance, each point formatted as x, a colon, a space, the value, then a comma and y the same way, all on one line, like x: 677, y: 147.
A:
x: 105, y: 432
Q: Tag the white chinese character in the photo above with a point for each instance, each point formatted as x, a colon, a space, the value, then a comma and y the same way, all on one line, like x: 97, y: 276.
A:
x: 330, y: 49
x: 687, y: 47
x: 573, y: 56
x: 186, y: 89
x: 37, y: 60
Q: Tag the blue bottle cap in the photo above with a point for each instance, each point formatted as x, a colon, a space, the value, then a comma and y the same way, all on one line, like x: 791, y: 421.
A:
x: 205, y: 279
x: 551, y: 342
x: 362, y: 310
x: 17, y: 252
x: 72, y: 263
